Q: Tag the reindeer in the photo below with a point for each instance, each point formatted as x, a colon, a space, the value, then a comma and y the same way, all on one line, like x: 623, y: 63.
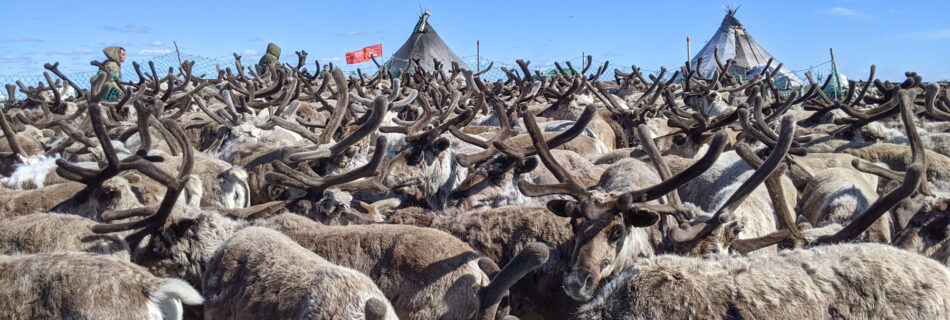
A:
x: 882, y: 281
x: 259, y: 260
x: 87, y: 285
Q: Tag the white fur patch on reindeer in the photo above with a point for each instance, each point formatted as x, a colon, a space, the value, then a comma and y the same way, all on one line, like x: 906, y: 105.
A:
x: 31, y: 172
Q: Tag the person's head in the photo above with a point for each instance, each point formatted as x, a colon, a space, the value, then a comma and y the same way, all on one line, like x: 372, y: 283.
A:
x: 326, y: 67
x: 115, y: 53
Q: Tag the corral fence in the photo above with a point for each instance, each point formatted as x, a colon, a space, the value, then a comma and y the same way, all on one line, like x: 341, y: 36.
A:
x: 208, y: 67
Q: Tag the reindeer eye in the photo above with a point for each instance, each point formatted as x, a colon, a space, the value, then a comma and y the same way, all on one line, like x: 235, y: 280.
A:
x: 616, y: 234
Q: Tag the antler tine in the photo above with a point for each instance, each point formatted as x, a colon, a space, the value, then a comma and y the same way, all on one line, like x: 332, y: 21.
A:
x: 158, y: 220
x: 524, y: 69
x: 55, y: 69
x: 913, y: 177
x: 753, y: 131
x: 89, y: 176
x: 407, y: 100
x: 341, y: 104
x: 646, y: 140
x: 562, y: 138
x: 290, y: 177
x: 7, y: 129
x: 654, y: 192
x: 930, y: 97
x: 453, y: 104
x: 778, y: 154
x: 906, y: 103
x: 605, y: 97
x: 918, y: 153
x: 57, y: 99
x: 394, y: 93
x: 877, y: 170
x: 467, y: 160
x: 784, y: 214
x: 380, y: 107
x: 360, y: 100
x: 490, y: 64
x: 568, y: 185
x: 761, y: 174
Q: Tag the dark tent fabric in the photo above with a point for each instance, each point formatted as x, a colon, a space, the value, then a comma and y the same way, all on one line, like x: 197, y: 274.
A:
x: 736, y: 43
x: 424, y: 44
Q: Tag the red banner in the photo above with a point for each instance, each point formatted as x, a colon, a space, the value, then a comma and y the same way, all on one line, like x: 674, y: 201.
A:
x: 364, y: 54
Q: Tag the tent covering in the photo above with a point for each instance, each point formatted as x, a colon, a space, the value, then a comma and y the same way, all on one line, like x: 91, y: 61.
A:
x: 734, y: 42
x: 424, y: 44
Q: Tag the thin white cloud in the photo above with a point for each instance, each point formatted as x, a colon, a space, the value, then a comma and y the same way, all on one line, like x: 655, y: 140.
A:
x: 124, y: 43
x: 936, y: 34
x: 73, y: 52
x: 841, y: 12
x: 16, y: 59
x: 21, y: 39
x: 352, y: 34
x: 154, y: 52
x: 131, y: 28
x: 249, y: 53
x: 157, y: 43
x: 335, y: 59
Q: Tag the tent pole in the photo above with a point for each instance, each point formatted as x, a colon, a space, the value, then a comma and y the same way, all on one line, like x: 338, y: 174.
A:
x: 834, y: 69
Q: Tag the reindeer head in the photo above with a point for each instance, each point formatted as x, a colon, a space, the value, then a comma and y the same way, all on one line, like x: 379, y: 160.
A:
x: 605, y: 225
x: 492, y: 183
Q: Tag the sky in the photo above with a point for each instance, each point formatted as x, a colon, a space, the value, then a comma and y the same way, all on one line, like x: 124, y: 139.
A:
x: 896, y: 36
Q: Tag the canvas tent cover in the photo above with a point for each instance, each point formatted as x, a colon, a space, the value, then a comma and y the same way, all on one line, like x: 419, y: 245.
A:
x: 424, y: 44
x: 735, y: 43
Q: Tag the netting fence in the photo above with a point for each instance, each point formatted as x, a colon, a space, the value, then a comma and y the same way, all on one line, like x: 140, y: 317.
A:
x: 208, y: 68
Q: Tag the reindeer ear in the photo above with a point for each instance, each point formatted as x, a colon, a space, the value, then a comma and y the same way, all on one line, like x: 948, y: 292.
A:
x: 562, y: 208
x: 526, y: 165
x: 640, y: 218
x: 440, y: 145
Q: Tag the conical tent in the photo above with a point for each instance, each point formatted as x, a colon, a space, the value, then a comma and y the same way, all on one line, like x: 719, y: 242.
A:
x: 734, y: 42
x: 424, y: 44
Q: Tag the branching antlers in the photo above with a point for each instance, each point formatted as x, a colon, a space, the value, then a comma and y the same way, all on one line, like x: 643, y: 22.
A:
x: 157, y: 217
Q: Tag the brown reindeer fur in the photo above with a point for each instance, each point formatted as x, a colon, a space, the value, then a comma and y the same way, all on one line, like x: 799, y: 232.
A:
x: 21, y: 202
x: 260, y: 273
x: 583, y: 170
x: 501, y: 233
x: 426, y: 273
x: 848, y: 281
x: 53, y: 232
x: 838, y: 195
x: 927, y: 232
x: 898, y: 157
x: 86, y: 286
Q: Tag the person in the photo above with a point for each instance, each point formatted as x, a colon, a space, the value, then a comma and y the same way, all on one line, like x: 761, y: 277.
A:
x: 112, y: 66
x: 326, y: 69
x: 273, y: 53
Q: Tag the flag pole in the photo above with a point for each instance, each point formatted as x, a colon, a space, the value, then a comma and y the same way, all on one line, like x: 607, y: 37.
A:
x: 688, y: 55
x: 478, y: 56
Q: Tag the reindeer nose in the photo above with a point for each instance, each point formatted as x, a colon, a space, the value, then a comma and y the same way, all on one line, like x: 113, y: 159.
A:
x: 579, y: 284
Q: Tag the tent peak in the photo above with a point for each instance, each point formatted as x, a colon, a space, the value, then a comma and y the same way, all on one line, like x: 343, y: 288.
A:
x: 731, y: 10
x: 423, y: 21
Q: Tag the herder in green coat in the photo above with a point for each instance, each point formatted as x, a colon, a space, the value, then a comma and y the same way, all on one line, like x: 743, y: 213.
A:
x: 112, y: 65
x: 273, y: 52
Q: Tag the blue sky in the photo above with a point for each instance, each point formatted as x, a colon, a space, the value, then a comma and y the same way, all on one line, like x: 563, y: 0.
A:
x: 897, y: 36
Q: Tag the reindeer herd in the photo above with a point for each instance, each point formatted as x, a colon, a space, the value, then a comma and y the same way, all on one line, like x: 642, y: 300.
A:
x: 437, y: 195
